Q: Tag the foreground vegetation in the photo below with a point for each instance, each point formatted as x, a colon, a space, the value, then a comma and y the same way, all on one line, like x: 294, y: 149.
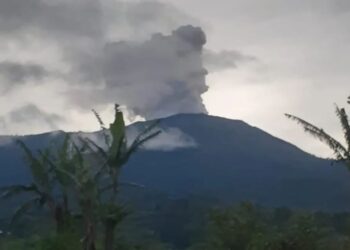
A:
x: 79, y: 179
x: 244, y: 226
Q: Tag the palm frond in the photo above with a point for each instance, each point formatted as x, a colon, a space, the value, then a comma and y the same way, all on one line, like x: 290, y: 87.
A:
x: 70, y: 176
x: 145, y: 135
x: 102, y: 127
x: 138, y: 143
x: 344, y: 121
x: 99, y: 119
x: 339, y: 150
x: 147, y: 130
x: 90, y: 143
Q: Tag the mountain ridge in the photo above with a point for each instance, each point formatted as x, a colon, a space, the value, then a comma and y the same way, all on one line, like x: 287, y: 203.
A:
x: 175, y: 116
x: 231, y: 161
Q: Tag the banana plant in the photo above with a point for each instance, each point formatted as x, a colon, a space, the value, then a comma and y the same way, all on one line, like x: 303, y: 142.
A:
x: 42, y: 189
x: 85, y: 187
x: 113, y: 156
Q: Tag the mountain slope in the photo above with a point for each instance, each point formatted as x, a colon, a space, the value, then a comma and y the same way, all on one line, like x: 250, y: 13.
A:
x: 227, y: 160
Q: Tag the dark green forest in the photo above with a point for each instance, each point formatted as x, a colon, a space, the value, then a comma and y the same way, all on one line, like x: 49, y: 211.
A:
x: 74, y: 202
x: 243, y: 226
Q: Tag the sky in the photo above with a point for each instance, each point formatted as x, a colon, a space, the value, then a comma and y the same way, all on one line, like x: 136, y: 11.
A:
x: 252, y: 60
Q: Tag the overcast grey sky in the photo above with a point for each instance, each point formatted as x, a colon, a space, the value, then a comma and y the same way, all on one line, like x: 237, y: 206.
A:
x: 243, y: 59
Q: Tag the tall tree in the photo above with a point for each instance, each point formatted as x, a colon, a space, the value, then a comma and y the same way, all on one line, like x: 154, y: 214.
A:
x: 114, y: 155
x: 341, y: 152
x: 93, y: 182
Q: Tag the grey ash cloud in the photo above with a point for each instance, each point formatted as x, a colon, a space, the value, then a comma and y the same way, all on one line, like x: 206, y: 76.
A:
x: 161, y: 76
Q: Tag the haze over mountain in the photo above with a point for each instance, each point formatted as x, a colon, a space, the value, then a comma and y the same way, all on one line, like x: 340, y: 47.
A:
x: 227, y: 160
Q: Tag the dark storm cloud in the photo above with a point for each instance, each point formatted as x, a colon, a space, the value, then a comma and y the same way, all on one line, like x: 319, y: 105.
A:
x: 226, y: 59
x: 15, y: 14
x: 58, y: 18
x: 14, y: 72
x: 31, y: 113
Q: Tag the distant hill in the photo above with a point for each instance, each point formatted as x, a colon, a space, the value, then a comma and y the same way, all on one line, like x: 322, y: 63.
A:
x: 224, y: 159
